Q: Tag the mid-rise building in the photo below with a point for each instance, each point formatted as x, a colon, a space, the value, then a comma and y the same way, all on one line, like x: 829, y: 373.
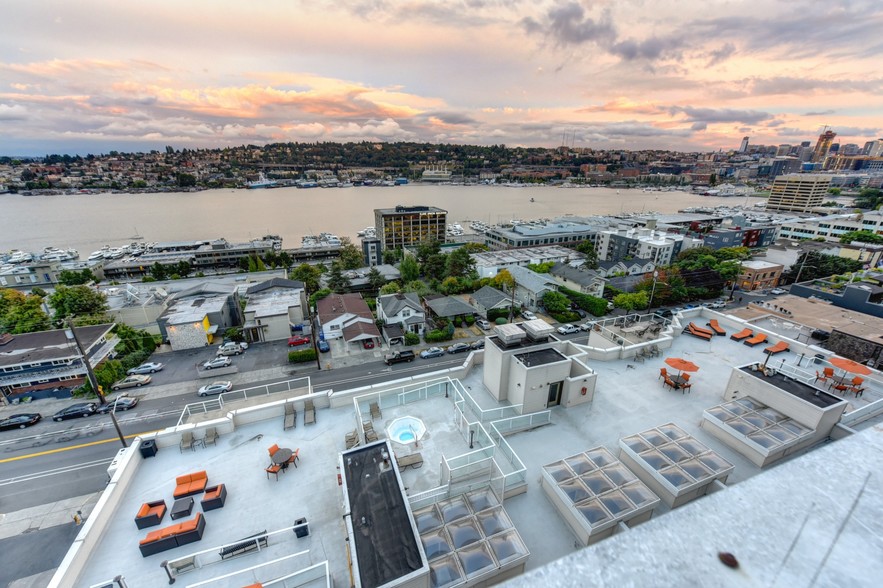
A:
x: 406, y: 226
x: 556, y: 232
x: 741, y: 237
x: 743, y: 148
x: 798, y: 192
x: 823, y: 145
x: 757, y: 275
x: 658, y: 247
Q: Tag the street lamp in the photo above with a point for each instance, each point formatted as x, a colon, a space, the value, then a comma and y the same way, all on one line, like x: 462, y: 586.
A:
x: 653, y: 290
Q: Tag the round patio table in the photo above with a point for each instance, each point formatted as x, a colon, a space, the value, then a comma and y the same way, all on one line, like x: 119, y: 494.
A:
x: 281, y: 457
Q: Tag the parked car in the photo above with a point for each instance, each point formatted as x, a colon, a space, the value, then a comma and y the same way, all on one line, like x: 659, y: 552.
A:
x: 323, y: 346
x: 298, y: 340
x: 121, y: 403
x: 778, y: 291
x: 230, y: 349
x: 146, y: 368
x: 568, y: 329
x: 477, y: 344
x: 218, y: 362
x: 399, y: 357
x: 483, y: 324
x: 216, y: 388
x: 664, y: 312
x: 80, y: 409
x: 458, y: 348
x: 368, y: 343
x: 717, y: 304
x: 528, y: 315
x: 241, y: 344
x: 20, y: 421
x: 133, y: 381
x: 432, y: 352
x: 586, y: 326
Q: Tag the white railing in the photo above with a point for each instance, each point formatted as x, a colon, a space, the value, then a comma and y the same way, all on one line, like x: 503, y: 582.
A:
x: 219, y: 402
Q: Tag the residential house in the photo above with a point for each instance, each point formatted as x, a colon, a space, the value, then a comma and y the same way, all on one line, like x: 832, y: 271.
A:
x: 757, y: 275
x: 581, y: 280
x: 488, y: 298
x: 36, y: 364
x: 632, y: 267
x: 448, y: 306
x: 402, y: 309
x: 346, y: 316
x: 275, y: 308
x: 530, y: 287
x: 196, y: 316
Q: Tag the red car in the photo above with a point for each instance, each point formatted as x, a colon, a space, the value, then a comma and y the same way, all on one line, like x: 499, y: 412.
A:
x: 298, y: 340
x: 368, y: 343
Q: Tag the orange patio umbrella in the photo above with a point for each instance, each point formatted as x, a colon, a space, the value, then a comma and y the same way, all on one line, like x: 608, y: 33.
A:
x: 682, y: 365
x: 850, y: 366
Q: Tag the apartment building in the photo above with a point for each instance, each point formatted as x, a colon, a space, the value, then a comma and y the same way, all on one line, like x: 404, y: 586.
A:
x: 406, y: 226
x: 798, y: 192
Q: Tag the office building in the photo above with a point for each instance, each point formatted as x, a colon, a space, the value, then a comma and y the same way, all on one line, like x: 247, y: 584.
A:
x: 743, y: 148
x: 406, y: 226
x: 823, y: 145
x: 798, y: 192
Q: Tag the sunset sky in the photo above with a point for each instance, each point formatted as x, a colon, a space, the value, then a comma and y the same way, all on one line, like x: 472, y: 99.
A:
x: 93, y: 75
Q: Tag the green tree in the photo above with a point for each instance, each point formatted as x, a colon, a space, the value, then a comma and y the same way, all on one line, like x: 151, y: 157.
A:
x: 77, y: 301
x: 587, y: 249
x: 475, y: 247
x: 541, y: 268
x: 409, y: 269
x: 863, y: 236
x: 459, y: 263
x: 75, y: 278
x: 392, y: 256
x: 158, y: 272
x: 337, y: 280
x: 418, y: 287
x: 391, y: 288
x: 813, y: 265
x: 834, y: 191
x: 632, y: 301
x: 185, y: 180
x: 183, y: 268
x: 21, y: 313
x: 375, y: 278
x: 285, y: 259
x: 869, y: 198
x: 556, y: 302
x: 308, y: 274
x: 449, y: 286
x: 350, y: 255
x: 503, y: 281
x: 435, y: 266
x: 426, y: 249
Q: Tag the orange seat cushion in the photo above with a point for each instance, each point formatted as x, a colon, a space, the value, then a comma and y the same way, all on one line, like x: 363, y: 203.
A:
x: 213, y: 493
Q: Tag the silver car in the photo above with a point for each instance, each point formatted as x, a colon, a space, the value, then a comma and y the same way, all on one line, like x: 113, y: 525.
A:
x: 134, y: 381
x: 146, y: 368
x: 218, y: 362
x: 215, y: 388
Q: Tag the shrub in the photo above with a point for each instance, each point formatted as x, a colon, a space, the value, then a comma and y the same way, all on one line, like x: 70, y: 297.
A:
x: 568, y: 316
x: 412, y: 339
x: 470, y: 320
x: 500, y: 321
x: 302, y: 356
x: 436, y: 336
x: 503, y: 313
x: 593, y: 304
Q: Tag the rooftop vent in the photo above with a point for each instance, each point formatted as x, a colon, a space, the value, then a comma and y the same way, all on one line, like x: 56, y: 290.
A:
x: 510, y: 334
x: 537, y: 329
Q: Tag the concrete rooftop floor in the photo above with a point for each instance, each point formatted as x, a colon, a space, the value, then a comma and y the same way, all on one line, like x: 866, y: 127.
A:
x: 629, y: 398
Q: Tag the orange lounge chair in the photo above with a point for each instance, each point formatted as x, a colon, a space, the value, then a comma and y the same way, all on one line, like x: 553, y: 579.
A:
x: 756, y: 340
x: 743, y: 334
x: 718, y: 330
x: 697, y: 332
x: 777, y: 348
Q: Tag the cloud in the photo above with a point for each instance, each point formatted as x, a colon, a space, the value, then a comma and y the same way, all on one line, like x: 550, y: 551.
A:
x: 12, y: 112
x: 720, y: 115
x: 568, y: 24
x: 720, y: 55
x: 649, y: 49
x: 820, y: 113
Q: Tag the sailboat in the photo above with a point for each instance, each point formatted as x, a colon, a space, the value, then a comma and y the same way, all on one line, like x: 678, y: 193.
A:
x: 137, y: 236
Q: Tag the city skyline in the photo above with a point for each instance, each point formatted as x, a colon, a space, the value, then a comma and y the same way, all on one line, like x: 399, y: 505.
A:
x: 95, y: 76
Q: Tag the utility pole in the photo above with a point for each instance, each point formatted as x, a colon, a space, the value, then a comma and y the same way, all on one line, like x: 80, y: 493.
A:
x: 93, y: 381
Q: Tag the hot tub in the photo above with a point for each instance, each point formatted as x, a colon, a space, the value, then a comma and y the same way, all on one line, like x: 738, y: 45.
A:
x: 406, y: 430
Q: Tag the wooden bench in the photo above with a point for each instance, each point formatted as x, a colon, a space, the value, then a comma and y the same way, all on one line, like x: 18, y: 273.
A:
x: 246, y: 545
x: 414, y: 460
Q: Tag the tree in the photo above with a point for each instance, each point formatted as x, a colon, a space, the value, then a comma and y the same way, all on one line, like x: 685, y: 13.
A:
x: 77, y: 301
x: 863, y: 236
x: 409, y: 269
x: 475, y: 247
x: 75, y: 278
x: 869, y: 198
x: 813, y: 265
x: 20, y: 313
x: 185, y: 180
x: 435, y: 266
x: 556, y: 301
x: 449, y: 286
x: 541, y: 268
x: 391, y: 256
x: 426, y: 249
x: 459, y: 263
x: 183, y: 268
x: 504, y: 281
x: 285, y: 259
x: 587, y: 249
x: 350, y: 256
x: 390, y: 288
x: 633, y: 301
x: 158, y: 271
x: 375, y: 278
x: 308, y: 274
x: 834, y: 192
x: 418, y: 287
x: 337, y: 281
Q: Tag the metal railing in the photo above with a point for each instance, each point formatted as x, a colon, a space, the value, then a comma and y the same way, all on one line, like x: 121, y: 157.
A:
x: 219, y: 402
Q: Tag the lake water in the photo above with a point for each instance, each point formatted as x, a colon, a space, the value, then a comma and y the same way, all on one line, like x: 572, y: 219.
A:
x: 87, y: 222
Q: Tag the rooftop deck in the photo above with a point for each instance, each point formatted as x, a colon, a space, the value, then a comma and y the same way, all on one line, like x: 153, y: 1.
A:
x: 629, y: 398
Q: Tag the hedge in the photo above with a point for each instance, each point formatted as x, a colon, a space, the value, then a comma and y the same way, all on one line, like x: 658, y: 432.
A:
x: 496, y: 313
x: 437, y: 336
x: 593, y: 304
x: 567, y: 316
x: 302, y: 356
x: 412, y: 339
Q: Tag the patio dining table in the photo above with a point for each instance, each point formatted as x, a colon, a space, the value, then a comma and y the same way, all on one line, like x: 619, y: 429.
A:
x: 281, y: 457
x: 679, y: 380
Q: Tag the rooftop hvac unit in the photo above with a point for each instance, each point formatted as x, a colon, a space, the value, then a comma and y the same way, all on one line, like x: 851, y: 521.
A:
x: 537, y: 329
x: 510, y: 334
